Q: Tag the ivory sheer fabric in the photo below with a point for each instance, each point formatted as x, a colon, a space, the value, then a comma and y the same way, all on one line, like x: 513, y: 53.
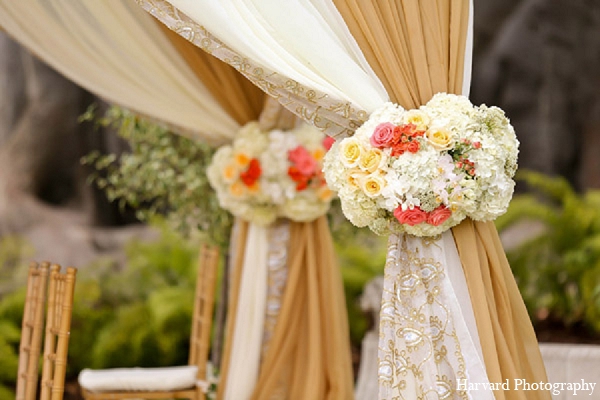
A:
x: 416, y: 48
x: 117, y: 51
x: 247, y: 342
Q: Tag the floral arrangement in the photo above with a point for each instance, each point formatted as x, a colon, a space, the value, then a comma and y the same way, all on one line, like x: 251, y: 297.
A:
x: 423, y: 171
x: 266, y: 175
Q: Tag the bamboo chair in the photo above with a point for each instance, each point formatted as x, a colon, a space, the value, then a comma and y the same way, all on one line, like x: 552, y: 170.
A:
x: 185, y: 382
x: 58, y: 326
x: 56, y: 340
x: 31, y: 331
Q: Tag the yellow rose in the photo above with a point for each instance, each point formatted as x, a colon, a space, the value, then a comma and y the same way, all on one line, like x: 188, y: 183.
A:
x: 417, y: 118
x: 355, y: 177
x: 230, y: 173
x: 237, y: 189
x: 351, y: 150
x: 241, y: 159
x: 440, y: 138
x: 324, y: 193
x: 318, y: 154
x: 372, y: 185
x: 370, y: 160
x: 254, y: 188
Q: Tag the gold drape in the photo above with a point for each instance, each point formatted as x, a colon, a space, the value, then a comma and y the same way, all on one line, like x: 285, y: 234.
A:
x: 309, y: 353
x: 417, y: 49
x: 241, y: 99
x: 509, y: 344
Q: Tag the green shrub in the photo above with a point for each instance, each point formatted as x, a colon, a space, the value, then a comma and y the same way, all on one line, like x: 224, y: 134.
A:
x: 558, y: 271
x: 162, y: 174
x: 142, y: 313
x: 135, y: 316
x: 13, y: 276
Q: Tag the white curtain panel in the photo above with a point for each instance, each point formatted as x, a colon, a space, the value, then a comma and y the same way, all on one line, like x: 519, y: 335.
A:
x: 314, y: 48
x: 116, y: 50
x: 244, y: 363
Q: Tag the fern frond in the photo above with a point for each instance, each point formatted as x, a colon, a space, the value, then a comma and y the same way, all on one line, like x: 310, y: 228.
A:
x: 556, y: 188
x: 526, y: 207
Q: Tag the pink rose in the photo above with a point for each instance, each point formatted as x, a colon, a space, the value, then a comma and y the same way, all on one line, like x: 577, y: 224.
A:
x: 302, y: 159
x: 383, y: 135
x: 410, y: 217
x: 328, y: 142
x: 439, y: 216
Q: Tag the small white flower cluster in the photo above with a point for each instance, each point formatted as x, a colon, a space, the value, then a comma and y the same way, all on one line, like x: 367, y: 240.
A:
x: 266, y: 175
x: 423, y: 171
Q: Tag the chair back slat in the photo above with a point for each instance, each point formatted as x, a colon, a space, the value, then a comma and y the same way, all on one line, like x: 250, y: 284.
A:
x: 51, y: 322
x: 203, y: 308
x: 31, y: 332
x: 58, y: 326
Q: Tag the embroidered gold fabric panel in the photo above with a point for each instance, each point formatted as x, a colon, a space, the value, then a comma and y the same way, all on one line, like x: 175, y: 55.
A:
x: 420, y: 354
x: 334, y: 117
x: 279, y: 236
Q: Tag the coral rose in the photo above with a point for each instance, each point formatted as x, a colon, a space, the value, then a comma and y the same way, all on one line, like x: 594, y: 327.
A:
x: 413, y: 146
x: 410, y: 217
x: 303, y: 160
x: 439, y: 216
x: 252, y: 174
x: 307, y: 166
x: 328, y: 141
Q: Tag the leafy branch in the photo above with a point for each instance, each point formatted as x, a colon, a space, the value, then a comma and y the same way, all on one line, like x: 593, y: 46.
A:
x: 162, y: 174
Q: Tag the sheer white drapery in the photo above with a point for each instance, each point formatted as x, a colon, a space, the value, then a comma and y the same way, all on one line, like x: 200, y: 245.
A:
x: 314, y: 48
x: 117, y: 51
x: 249, y: 324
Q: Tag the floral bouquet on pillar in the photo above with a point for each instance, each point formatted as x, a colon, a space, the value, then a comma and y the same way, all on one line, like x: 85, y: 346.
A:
x: 265, y: 175
x: 423, y: 171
